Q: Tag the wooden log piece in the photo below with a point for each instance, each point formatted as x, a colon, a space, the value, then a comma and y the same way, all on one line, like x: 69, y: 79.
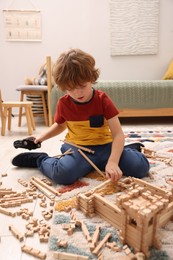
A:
x: 49, y: 188
x: 101, y: 244
x: 80, y: 147
x: 92, y: 164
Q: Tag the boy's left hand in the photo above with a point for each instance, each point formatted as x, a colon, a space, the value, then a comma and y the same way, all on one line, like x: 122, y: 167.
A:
x: 113, y: 171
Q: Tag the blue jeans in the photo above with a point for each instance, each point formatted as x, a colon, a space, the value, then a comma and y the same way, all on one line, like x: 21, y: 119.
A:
x: 69, y: 168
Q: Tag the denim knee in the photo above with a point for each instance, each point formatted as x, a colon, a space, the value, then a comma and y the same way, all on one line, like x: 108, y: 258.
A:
x: 134, y: 163
x: 65, y: 175
x: 65, y: 170
x: 140, y: 168
x: 58, y: 172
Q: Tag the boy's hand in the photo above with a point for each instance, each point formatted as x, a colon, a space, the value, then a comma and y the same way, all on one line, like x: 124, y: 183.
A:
x: 37, y: 139
x: 113, y: 172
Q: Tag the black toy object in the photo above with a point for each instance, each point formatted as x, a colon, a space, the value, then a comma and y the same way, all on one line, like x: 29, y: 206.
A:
x: 27, y: 143
x: 136, y: 145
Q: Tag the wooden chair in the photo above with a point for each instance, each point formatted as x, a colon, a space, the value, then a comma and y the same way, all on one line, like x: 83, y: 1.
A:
x: 6, y: 112
x: 42, y: 91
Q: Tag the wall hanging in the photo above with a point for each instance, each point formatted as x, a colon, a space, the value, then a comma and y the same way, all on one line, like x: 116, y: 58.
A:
x: 134, y: 27
x: 22, y: 25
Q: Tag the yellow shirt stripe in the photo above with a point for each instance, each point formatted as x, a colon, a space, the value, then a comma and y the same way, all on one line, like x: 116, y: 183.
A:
x: 80, y: 132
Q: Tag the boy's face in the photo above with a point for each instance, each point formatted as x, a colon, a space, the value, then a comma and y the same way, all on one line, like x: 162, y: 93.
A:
x: 82, y: 93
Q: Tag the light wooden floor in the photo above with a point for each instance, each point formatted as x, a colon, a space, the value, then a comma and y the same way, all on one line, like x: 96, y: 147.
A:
x: 10, y: 247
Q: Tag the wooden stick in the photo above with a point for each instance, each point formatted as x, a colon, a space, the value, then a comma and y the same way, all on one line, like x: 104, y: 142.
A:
x: 95, y: 238
x: 43, y: 190
x: 61, y: 155
x: 80, y: 147
x: 54, y: 191
x: 69, y: 151
x: 6, y: 212
x: 93, y: 165
x: 67, y: 256
x: 86, y: 232
x: 34, y: 252
x: 98, y: 187
x: 101, y: 244
x: 16, y: 233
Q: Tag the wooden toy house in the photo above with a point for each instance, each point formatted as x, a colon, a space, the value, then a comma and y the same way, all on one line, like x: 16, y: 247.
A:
x: 138, y: 212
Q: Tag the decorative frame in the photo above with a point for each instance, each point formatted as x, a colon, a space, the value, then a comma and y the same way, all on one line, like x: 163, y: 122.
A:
x: 134, y: 27
x: 22, y: 25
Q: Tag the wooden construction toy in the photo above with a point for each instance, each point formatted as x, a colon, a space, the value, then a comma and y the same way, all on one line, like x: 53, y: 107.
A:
x: 7, y: 212
x: 62, y: 243
x: 6, y: 191
x: 47, y: 181
x: 43, y: 204
x: 34, y: 252
x: 113, y: 246
x: 92, y: 164
x: 152, y: 154
x: 101, y: 244
x: 139, y: 210
x: 44, y: 233
x: 16, y: 233
x: 47, y: 214
x: 43, y: 189
x: 42, y: 228
x: 66, y: 256
x: 46, y: 189
x: 4, y: 174
x: 100, y: 257
x: 148, y: 152
x: 45, y: 185
x: 95, y: 238
x: 80, y: 147
x: 23, y: 182
x: 25, y: 213
x: 69, y: 151
x: 9, y: 198
x: 86, y: 232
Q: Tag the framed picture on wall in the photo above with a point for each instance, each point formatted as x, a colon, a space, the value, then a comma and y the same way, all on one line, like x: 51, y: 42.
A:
x: 22, y: 25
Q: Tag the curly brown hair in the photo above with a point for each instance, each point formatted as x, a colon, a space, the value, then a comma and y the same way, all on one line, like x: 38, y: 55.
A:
x: 74, y: 68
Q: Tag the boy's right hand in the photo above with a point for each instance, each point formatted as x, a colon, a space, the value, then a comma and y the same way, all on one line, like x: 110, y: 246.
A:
x: 37, y: 139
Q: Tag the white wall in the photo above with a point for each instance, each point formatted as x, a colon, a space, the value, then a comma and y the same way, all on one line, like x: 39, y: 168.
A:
x: 83, y: 24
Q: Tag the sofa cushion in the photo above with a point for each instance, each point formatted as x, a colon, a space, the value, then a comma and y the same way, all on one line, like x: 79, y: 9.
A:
x: 32, y: 87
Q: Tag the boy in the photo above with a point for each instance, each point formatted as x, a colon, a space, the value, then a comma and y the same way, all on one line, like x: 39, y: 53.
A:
x: 92, y: 121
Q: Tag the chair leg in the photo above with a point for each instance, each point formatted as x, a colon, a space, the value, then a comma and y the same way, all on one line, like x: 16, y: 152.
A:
x: 4, y: 117
x: 28, y: 119
x: 44, y: 108
x: 31, y: 117
x: 9, y: 117
x: 20, y: 110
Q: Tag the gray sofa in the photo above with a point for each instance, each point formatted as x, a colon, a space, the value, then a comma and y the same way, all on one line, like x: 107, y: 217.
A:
x: 133, y: 98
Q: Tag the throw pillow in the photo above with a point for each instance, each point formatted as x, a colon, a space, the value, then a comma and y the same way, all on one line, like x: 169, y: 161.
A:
x: 169, y: 72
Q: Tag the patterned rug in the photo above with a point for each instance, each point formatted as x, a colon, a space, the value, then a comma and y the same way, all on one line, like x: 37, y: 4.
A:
x: 160, y: 141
